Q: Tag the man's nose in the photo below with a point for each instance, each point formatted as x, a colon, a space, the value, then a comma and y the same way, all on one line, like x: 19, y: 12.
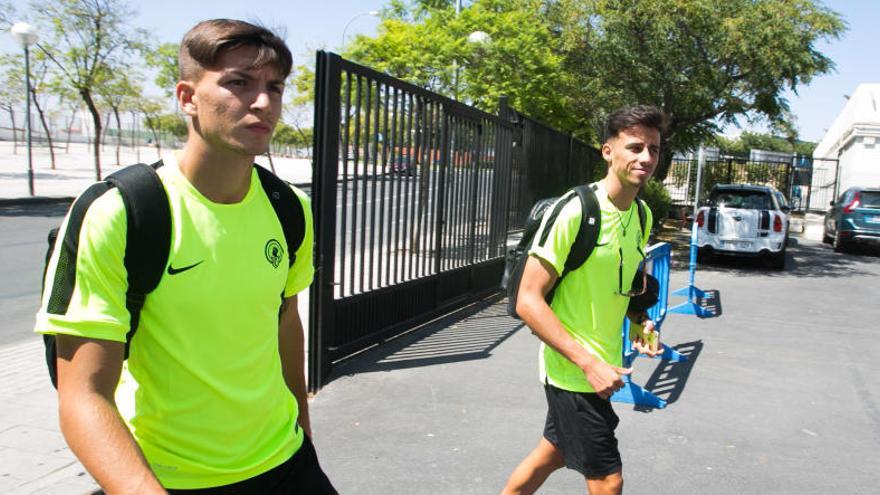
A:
x: 261, y: 100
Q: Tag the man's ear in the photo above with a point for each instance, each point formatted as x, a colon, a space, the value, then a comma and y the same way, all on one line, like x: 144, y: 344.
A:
x: 185, y: 92
x: 606, y: 151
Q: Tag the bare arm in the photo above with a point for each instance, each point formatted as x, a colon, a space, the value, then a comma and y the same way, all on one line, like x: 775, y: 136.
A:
x: 291, y: 346
x: 88, y: 372
x: 537, y: 280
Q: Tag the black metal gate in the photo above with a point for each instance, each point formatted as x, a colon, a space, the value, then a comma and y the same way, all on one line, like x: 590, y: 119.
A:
x: 547, y: 162
x: 410, y: 194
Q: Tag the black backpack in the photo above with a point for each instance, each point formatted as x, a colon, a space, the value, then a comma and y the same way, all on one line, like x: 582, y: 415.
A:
x: 148, y: 239
x: 581, y: 248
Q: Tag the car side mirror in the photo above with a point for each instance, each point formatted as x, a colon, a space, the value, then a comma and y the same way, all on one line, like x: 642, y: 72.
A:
x: 831, y: 203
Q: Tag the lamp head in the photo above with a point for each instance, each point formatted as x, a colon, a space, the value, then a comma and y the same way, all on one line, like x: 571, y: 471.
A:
x: 24, y: 33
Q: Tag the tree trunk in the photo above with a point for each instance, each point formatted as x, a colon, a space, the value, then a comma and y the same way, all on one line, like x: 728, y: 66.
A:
x: 14, y: 133
x: 118, y: 134
x: 96, y: 120
x: 155, y: 133
x: 271, y: 164
x: 104, y: 130
x: 70, y: 130
x: 45, y: 126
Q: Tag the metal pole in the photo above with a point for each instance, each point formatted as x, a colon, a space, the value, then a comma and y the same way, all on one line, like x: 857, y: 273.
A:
x: 27, y: 93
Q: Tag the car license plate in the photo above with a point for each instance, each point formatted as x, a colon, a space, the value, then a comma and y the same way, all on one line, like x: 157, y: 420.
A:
x: 872, y: 218
x: 740, y: 244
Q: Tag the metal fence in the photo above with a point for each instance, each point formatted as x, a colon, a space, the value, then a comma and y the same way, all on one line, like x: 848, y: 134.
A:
x: 681, y: 180
x: 547, y: 162
x: 410, y: 194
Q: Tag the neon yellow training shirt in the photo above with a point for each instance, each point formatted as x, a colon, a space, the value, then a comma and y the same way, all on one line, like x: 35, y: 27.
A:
x: 586, y: 301
x: 202, y: 391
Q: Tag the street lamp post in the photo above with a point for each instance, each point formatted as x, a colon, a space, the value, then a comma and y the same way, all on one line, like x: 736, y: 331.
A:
x: 374, y: 13
x: 27, y: 36
x: 480, y: 38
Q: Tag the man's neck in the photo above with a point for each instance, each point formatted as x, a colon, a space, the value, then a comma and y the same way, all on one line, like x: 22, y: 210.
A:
x: 621, y: 194
x: 221, y: 176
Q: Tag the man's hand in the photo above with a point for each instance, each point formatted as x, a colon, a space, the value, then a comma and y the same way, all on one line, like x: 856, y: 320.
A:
x: 645, y: 338
x: 604, y: 378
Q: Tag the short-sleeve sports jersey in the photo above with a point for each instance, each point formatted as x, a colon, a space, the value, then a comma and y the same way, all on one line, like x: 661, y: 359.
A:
x: 587, y: 300
x: 202, y: 391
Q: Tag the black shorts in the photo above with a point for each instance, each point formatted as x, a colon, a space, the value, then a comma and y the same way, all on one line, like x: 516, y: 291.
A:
x: 301, y: 474
x: 581, y: 425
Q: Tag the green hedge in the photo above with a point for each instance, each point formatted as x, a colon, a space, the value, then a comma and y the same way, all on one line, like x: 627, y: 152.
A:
x: 658, y: 200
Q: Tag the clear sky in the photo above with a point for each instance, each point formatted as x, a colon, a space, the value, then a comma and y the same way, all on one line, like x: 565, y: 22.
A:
x: 315, y: 24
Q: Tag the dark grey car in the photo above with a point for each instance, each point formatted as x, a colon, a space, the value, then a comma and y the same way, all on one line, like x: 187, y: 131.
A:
x: 854, y: 218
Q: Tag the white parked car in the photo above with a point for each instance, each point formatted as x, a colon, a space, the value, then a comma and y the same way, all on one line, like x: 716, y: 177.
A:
x: 744, y: 220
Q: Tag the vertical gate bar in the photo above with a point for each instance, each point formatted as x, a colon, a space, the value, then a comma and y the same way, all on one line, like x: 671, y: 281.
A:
x: 428, y: 151
x: 406, y: 234
x: 415, y: 247
x: 325, y: 146
x: 444, y: 162
x: 383, y: 208
x: 473, y: 199
x: 344, y: 187
x: 355, y: 180
x: 375, y: 257
x: 365, y: 256
x: 394, y: 214
x: 431, y: 200
x: 459, y: 136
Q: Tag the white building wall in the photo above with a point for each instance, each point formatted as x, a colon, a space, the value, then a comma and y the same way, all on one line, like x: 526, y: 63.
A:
x: 860, y: 163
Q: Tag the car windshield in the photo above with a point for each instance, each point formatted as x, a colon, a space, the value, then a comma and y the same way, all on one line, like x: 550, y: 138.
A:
x: 740, y: 198
x: 870, y: 199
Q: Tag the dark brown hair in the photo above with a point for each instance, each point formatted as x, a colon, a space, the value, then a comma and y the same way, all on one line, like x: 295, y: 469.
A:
x: 626, y: 117
x: 206, y: 41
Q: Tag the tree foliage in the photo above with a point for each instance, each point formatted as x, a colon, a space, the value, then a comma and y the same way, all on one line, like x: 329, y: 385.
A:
x: 748, y: 141
x: 86, y: 40
x: 163, y: 59
x: 570, y: 62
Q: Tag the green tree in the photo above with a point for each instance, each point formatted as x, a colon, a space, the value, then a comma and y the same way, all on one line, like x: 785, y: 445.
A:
x: 11, y: 90
x: 87, y: 38
x: 117, y: 90
x: 163, y: 59
x: 705, y: 63
x: 425, y: 42
x: 570, y: 62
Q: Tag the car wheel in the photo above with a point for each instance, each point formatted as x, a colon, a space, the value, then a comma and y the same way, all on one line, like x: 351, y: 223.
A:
x: 827, y: 239
x: 840, y: 246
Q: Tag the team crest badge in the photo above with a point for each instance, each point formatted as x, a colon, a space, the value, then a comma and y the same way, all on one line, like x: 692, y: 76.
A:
x: 274, y: 252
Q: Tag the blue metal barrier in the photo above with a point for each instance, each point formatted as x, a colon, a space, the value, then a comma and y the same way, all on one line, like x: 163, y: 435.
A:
x: 691, y: 307
x: 657, y: 263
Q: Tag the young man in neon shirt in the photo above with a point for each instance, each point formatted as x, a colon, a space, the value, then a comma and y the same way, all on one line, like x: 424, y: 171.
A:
x: 581, y: 352
x: 212, y: 397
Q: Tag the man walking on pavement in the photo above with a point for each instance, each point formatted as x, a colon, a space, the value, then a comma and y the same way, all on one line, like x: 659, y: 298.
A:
x: 212, y: 397
x: 581, y: 350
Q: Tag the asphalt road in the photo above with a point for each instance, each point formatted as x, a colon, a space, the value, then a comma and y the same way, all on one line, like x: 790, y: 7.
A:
x: 23, y: 231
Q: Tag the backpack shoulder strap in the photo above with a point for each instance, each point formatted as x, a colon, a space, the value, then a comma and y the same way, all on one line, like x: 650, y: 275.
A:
x: 588, y: 233
x: 643, y: 215
x: 148, y: 236
x: 288, y: 208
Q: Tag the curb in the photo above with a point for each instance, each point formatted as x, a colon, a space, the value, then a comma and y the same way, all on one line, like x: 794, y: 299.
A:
x: 36, y: 200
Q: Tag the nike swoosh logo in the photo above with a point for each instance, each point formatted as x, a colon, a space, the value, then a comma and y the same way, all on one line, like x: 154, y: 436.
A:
x: 175, y: 271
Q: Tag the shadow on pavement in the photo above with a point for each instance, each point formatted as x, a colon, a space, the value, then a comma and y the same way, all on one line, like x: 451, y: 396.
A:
x: 669, y: 379
x: 35, y: 210
x: 802, y: 260
x: 468, y: 335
